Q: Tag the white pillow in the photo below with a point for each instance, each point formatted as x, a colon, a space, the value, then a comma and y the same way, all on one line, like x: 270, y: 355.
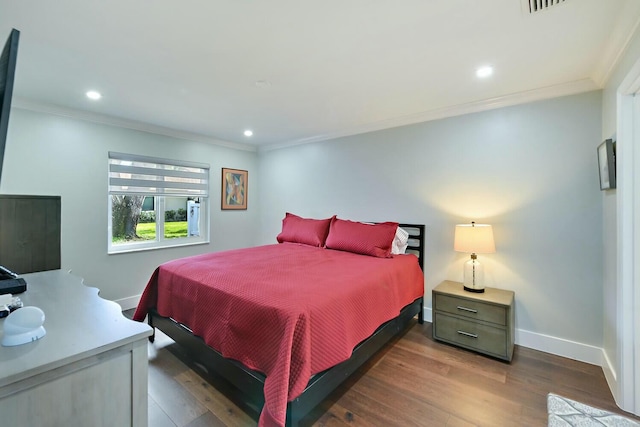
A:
x: 400, y: 242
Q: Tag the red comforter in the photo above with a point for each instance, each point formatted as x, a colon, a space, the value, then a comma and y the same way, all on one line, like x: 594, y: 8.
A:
x: 286, y: 310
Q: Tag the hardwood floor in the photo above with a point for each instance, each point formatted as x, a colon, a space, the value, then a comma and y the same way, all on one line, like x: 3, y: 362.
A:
x: 415, y: 381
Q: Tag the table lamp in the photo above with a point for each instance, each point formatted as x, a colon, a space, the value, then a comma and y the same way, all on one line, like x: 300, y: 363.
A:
x: 475, y: 239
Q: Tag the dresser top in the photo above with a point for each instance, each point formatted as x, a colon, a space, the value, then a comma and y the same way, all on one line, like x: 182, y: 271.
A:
x: 492, y: 295
x: 78, y: 322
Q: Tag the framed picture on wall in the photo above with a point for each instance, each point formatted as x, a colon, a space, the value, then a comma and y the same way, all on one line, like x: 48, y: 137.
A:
x: 607, y: 164
x: 234, y: 189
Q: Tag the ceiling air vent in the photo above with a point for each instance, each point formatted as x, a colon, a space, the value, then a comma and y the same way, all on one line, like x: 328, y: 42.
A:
x: 540, y: 5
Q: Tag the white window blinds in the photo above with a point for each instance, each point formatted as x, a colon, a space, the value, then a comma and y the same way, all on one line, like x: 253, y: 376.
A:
x: 151, y: 176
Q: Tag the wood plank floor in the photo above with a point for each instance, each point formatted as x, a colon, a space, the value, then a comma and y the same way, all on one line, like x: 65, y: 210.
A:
x: 415, y: 381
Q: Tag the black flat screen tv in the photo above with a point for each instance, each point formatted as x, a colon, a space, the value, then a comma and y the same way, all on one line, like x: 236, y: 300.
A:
x: 8, y: 62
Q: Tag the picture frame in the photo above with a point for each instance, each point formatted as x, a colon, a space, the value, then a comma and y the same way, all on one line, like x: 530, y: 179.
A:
x: 235, y: 183
x: 607, y: 164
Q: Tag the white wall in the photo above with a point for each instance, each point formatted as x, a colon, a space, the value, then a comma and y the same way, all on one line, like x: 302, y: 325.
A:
x: 53, y: 155
x: 611, y: 286
x: 530, y: 170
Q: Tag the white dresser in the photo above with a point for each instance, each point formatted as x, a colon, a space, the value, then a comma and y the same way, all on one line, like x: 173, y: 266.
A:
x: 90, y: 369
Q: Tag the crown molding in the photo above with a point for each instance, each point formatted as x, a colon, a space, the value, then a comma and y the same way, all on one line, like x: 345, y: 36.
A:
x: 42, y: 107
x: 622, y: 33
x: 571, y: 88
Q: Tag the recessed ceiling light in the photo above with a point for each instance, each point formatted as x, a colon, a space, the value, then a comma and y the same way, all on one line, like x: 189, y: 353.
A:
x: 95, y: 95
x: 248, y: 132
x: 484, y: 72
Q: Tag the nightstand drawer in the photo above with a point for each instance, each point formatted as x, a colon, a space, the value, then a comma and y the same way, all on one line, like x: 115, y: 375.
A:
x: 475, y: 336
x: 476, y: 310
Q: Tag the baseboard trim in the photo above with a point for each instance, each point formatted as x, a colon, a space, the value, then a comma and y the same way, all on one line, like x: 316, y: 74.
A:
x: 129, y: 303
x: 558, y: 346
x: 611, y: 377
x: 428, y: 315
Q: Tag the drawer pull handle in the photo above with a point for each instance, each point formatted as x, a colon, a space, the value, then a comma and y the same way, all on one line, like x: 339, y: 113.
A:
x: 467, y: 334
x: 471, y: 310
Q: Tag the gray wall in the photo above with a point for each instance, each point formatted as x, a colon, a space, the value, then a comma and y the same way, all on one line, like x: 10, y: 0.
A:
x: 529, y: 170
x: 53, y: 155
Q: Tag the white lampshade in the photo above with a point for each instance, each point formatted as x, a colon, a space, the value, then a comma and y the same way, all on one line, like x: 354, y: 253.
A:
x: 474, y: 238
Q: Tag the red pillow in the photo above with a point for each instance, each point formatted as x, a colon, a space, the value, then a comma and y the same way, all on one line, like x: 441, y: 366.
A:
x: 307, y: 231
x: 360, y: 238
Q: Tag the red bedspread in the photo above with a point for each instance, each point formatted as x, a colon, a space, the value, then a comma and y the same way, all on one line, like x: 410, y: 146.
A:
x: 287, y: 310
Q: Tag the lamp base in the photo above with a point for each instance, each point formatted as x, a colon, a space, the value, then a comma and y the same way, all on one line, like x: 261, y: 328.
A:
x: 473, y: 275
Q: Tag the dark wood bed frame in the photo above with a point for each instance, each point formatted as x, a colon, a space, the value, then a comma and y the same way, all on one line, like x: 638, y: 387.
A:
x: 251, y: 383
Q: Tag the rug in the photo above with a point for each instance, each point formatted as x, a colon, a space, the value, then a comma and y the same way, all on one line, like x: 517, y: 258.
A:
x: 565, y: 412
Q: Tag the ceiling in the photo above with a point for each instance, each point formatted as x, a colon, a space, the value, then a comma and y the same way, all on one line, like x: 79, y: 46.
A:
x: 298, y: 71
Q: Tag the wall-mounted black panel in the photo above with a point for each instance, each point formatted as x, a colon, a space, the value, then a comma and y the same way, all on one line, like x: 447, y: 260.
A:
x: 30, y: 233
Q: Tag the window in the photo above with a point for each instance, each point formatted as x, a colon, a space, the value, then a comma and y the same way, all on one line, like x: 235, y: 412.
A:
x: 156, y: 203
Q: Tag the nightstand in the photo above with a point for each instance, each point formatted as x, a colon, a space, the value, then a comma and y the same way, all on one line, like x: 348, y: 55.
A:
x: 483, y: 322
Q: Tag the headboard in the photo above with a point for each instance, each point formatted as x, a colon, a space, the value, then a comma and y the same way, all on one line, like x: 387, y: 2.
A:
x: 30, y: 233
x: 416, y: 241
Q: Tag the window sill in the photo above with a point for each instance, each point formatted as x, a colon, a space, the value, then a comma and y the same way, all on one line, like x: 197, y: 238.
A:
x: 132, y: 248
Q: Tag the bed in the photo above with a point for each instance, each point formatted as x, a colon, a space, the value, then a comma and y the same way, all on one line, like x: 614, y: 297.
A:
x: 287, y: 323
